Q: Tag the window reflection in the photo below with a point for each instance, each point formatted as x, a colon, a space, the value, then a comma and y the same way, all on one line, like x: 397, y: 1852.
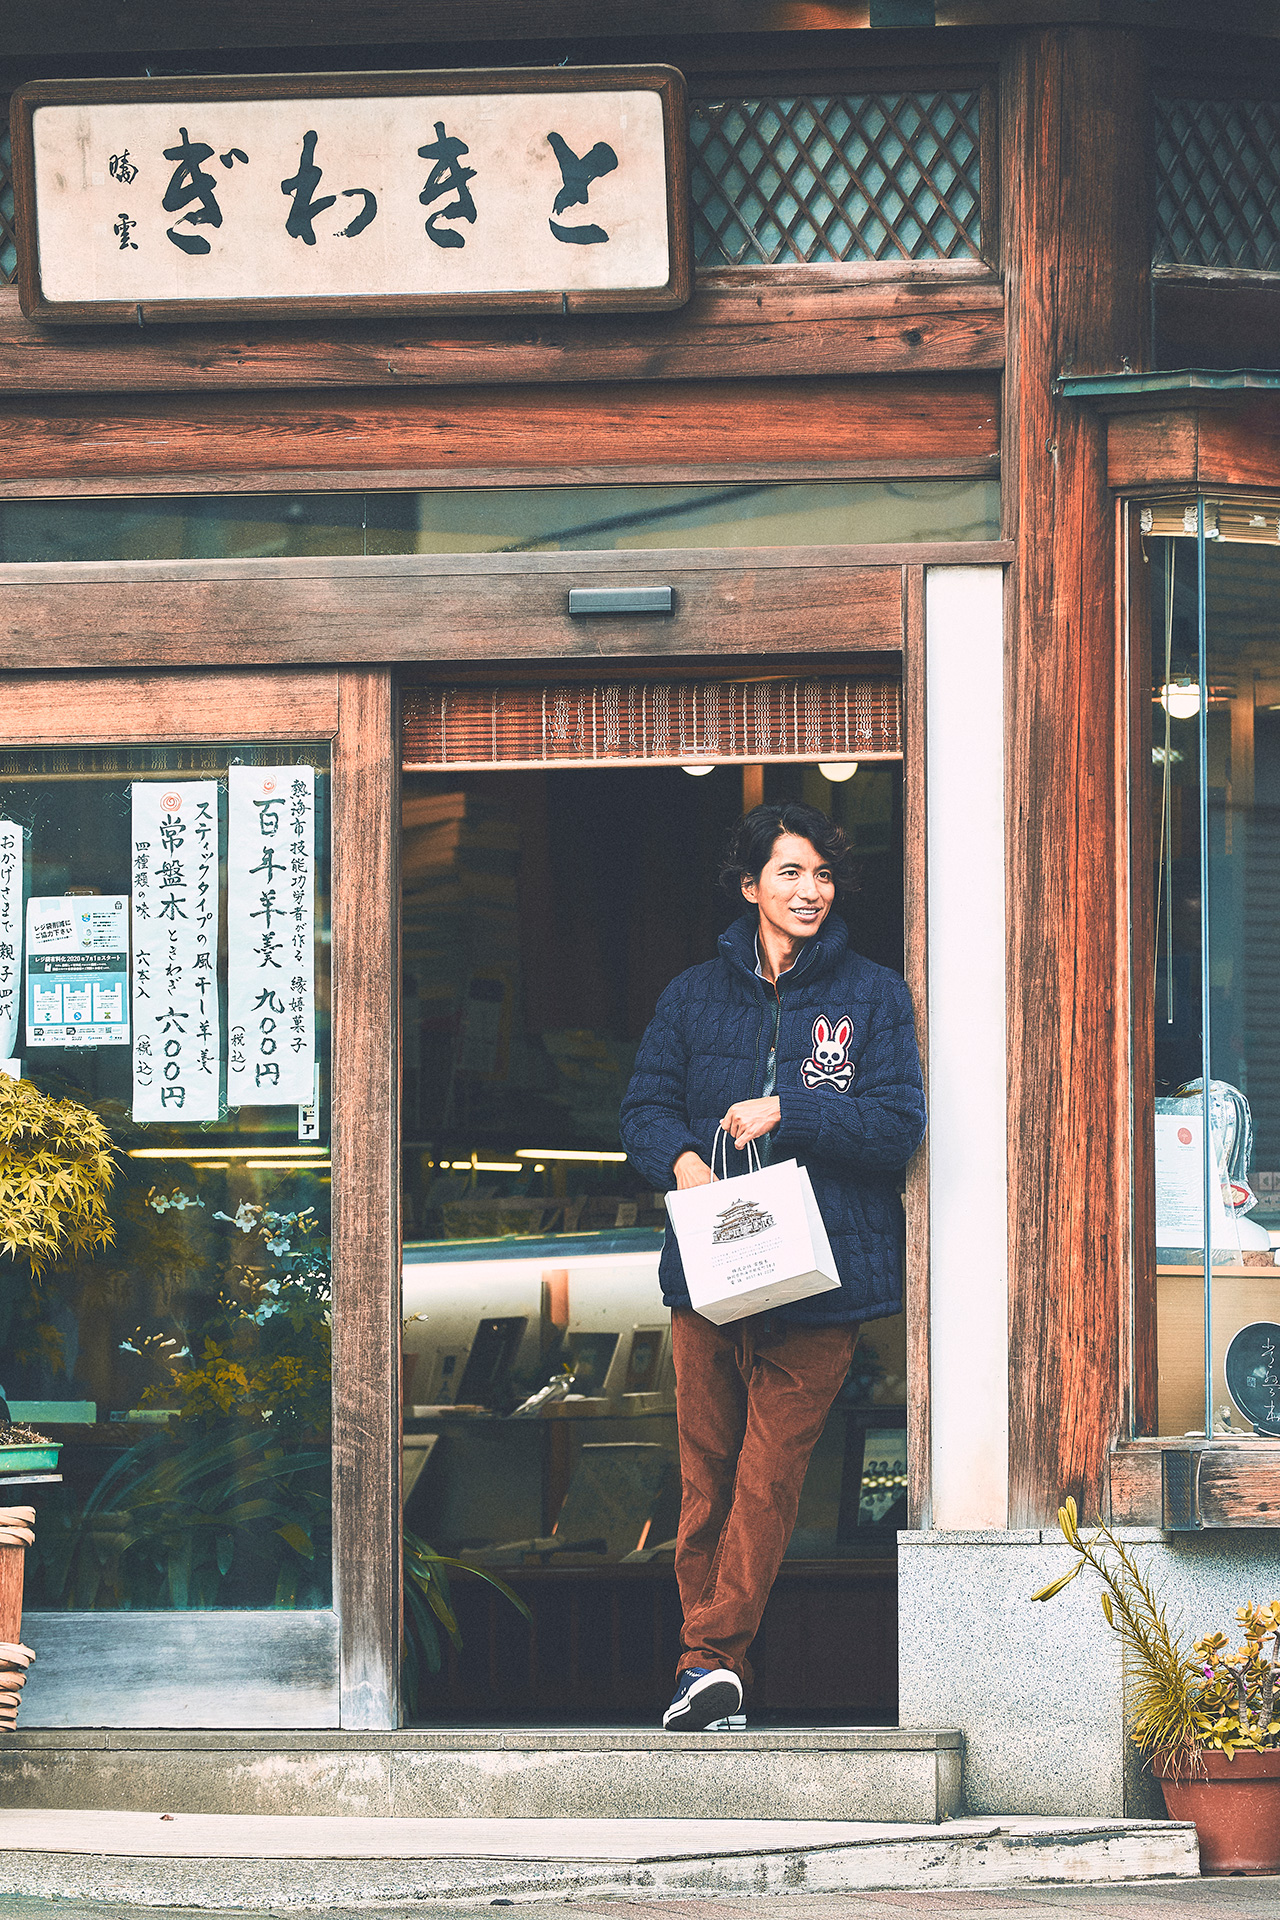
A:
x: 183, y: 1369
x: 1215, y: 752
x: 500, y: 520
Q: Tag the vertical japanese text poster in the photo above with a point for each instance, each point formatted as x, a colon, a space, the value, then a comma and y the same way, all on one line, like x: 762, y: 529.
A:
x: 271, y: 893
x: 176, y: 1035
x: 78, y: 971
x: 10, y: 934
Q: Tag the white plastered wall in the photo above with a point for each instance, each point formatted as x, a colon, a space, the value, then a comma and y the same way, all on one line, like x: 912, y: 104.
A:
x: 968, y: 1168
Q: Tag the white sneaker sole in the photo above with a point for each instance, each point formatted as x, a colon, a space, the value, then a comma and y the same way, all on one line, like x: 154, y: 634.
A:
x: 714, y: 1697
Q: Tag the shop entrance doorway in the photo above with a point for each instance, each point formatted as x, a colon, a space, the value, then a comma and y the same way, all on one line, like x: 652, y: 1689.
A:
x: 545, y: 907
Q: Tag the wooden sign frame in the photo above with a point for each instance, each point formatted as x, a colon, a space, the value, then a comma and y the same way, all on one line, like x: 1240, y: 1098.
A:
x: 664, y: 81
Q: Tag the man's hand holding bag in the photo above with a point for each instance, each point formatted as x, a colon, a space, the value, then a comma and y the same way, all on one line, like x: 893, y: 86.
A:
x: 751, y: 1242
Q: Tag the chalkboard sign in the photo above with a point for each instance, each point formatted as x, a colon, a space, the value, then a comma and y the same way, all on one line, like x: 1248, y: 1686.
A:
x: 1253, y: 1375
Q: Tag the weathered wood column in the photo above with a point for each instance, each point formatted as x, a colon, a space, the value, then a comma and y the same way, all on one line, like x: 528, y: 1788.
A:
x: 1076, y: 246
x: 366, y: 1197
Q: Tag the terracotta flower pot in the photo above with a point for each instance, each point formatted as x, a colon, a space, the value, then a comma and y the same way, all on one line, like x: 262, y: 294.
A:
x: 1235, y: 1805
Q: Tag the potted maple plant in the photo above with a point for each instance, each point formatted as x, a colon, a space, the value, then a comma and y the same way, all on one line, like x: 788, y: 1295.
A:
x: 1209, y: 1718
x: 56, y: 1171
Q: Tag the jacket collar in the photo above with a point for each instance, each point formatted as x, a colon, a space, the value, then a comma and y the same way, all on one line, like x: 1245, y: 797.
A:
x: 738, y: 946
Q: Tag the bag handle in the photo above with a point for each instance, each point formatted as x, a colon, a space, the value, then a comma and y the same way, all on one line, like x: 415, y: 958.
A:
x: 753, y: 1156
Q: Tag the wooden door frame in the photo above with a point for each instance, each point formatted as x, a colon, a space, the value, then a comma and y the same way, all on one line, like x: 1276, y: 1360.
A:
x: 351, y: 709
x: 134, y: 703
x: 909, y: 587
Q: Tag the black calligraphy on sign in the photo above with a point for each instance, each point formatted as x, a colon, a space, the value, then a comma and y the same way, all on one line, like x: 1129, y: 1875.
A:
x: 448, y: 175
x: 121, y: 168
x: 302, y: 185
x: 175, y: 943
x: 1252, y: 1371
x: 577, y: 174
x: 271, y: 888
x: 301, y: 799
x: 190, y: 186
x: 122, y: 229
x: 10, y: 932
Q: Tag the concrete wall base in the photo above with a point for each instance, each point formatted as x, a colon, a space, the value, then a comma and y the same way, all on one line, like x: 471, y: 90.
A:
x: 1036, y: 1689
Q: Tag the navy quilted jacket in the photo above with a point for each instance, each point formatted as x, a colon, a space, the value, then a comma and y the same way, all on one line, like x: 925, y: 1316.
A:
x: 708, y: 1045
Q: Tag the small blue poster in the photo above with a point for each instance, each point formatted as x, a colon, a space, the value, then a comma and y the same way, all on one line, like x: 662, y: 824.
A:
x: 78, y: 970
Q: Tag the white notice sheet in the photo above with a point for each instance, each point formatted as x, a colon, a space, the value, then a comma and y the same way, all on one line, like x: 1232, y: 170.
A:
x: 176, y: 1038
x: 271, y: 918
x: 1180, y: 1185
x: 10, y: 934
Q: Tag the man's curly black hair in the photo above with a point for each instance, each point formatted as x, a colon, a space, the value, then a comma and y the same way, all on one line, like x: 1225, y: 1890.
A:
x: 752, y: 842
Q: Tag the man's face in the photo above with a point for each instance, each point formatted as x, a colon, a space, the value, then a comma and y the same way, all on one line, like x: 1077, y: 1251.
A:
x: 796, y: 889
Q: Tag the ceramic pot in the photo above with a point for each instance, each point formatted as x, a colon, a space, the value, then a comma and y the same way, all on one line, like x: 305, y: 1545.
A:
x: 1235, y: 1805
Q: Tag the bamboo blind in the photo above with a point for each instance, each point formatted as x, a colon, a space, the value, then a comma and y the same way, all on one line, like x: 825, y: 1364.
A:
x: 665, y: 721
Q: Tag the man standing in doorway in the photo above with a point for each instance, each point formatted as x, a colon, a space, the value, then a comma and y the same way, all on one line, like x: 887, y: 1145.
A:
x: 791, y: 1039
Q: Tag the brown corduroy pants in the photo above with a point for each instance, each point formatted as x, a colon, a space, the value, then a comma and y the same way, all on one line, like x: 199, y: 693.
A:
x: 751, y: 1401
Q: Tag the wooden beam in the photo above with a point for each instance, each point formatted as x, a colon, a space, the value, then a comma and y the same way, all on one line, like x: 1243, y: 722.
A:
x: 1231, y: 441
x: 1150, y: 451
x: 78, y: 27
x: 1239, y: 446
x: 915, y: 919
x: 226, y: 613
x: 1075, y: 107
x: 117, y: 709
x: 940, y: 419
x: 748, y: 323
x: 1238, y: 1481
x: 366, y: 1198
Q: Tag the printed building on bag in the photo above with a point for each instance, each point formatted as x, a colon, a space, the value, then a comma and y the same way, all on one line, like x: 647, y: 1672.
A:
x: 442, y: 484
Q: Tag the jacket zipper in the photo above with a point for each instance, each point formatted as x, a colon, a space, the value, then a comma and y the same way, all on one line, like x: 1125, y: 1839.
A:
x: 771, y: 1058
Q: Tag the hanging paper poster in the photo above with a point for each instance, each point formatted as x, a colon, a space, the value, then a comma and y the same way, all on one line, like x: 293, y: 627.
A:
x: 271, y: 911
x: 1180, y: 1185
x: 10, y: 934
x: 176, y: 1036
x: 78, y: 971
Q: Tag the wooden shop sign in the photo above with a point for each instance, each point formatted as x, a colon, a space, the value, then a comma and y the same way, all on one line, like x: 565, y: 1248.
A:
x: 525, y: 190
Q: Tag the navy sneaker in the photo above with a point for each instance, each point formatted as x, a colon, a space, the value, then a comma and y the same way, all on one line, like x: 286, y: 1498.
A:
x: 702, y: 1695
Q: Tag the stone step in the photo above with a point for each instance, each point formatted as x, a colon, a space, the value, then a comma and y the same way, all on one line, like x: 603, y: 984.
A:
x: 830, y: 1773
x: 214, y: 1862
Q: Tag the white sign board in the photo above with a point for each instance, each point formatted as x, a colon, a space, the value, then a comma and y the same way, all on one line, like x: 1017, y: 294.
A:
x: 78, y: 970
x: 10, y: 934
x: 176, y: 1033
x: 1180, y: 1186
x: 547, y: 189
x: 271, y: 932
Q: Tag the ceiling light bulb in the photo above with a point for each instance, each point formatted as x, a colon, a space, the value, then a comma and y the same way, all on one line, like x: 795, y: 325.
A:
x: 697, y: 772
x: 837, y: 770
x: 1180, y: 699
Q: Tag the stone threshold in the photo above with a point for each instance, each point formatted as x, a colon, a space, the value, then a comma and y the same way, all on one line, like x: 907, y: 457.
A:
x: 547, y: 1739
x: 824, y: 1774
x: 217, y: 1863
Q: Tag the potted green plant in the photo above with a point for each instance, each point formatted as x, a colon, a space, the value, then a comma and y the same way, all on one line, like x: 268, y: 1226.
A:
x: 1209, y: 1718
x: 56, y: 1170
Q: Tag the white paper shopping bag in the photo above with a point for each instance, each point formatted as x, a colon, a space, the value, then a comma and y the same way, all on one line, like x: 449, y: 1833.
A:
x: 752, y: 1242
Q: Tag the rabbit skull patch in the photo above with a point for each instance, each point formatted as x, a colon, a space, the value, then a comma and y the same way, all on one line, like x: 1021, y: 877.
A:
x: 829, y: 1064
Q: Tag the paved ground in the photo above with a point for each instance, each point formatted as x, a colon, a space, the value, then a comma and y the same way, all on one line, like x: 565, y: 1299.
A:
x: 1232, y: 1899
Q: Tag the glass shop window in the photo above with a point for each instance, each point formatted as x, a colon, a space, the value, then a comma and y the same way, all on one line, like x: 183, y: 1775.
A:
x: 1215, y: 839
x: 619, y: 519
x: 544, y: 911
x: 164, y: 1127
